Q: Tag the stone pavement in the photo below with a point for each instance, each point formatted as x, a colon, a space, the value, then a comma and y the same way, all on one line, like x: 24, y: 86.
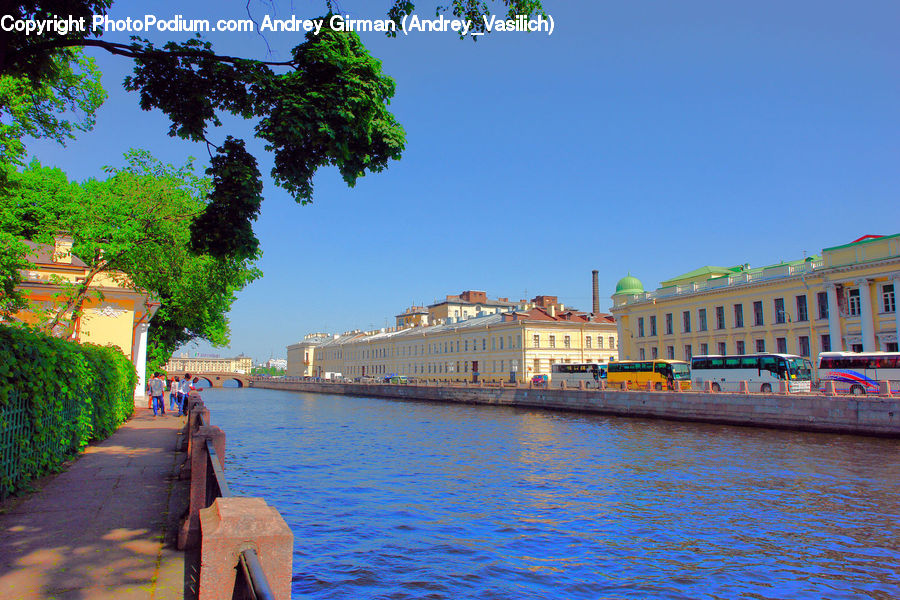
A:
x: 105, y: 527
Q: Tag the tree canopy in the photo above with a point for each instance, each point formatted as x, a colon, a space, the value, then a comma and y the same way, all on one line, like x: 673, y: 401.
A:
x: 138, y: 221
x: 327, y: 106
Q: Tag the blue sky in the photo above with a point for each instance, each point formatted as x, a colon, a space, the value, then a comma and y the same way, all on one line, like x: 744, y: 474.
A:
x: 649, y: 137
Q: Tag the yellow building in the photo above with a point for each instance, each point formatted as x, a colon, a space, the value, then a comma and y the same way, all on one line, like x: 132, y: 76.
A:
x: 208, y: 364
x: 843, y: 300
x: 113, y: 314
x: 503, y: 346
x: 301, y: 356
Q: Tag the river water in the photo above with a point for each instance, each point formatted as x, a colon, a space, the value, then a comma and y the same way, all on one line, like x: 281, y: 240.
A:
x: 402, y: 500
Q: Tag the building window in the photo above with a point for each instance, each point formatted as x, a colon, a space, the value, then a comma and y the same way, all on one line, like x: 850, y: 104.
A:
x: 890, y: 347
x: 553, y: 341
x: 686, y: 321
x: 803, y: 343
x: 701, y: 319
x: 653, y: 325
x: 760, y: 345
x: 536, y: 340
x: 640, y: 326
x: 758, y: 318
x: 720, y: 317
x: 537, y: 365
x: 567, y: 342
x: 501, y: 342
x: 670, y: 352
x: 600, y: 342
x: 781, y: 345
x: 856, y: 348
x: 822, y: 301
x: 738, y: 315
x: 668, y: 323
x: 587, y: 341
x: 654, y: 352
x: 825, y: 343
x: 802, y: 313
x: 704, y: 349
x: 853, y: 303
x: 887, y: 298
x: 740, y: 347
x: 642, y: 353
x: 688, y: 352
x: 720, y: 348
x: 612, y: 342
x: 779, y: 310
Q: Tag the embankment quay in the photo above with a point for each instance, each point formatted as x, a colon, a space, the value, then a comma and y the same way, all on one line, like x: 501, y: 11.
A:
x: 145, y: 514
x: 867, y: 415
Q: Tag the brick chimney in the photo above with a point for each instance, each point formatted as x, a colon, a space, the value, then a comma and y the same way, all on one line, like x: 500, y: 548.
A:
x: 595, y: 279
x: 62, y: 248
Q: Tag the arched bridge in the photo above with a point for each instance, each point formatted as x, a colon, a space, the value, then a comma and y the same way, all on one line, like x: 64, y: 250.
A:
x: 217, y: 379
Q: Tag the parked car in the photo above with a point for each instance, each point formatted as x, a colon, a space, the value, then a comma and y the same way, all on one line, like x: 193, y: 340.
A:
x: 540, y: 380
x: 401, y: 379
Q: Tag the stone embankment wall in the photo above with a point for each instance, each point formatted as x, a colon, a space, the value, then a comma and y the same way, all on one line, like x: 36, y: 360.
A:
x: 866, y: 415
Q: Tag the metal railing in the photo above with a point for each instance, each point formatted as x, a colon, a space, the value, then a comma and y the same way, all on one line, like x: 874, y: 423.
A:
x: 250, y: 581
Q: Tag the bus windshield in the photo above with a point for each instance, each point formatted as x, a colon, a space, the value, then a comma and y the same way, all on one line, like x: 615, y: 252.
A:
x: 681, y: 371
x: 799, y: 369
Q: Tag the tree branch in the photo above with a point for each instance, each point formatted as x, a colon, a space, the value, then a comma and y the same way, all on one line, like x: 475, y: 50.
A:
x: 132, y: 52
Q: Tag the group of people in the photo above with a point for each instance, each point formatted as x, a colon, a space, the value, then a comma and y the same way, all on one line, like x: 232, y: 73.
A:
x: 178, y: 388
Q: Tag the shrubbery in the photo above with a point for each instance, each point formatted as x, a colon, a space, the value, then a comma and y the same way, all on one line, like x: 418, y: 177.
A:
x: 55, y: 397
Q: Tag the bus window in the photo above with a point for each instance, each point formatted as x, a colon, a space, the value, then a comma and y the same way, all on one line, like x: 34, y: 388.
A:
x: 749, y: 362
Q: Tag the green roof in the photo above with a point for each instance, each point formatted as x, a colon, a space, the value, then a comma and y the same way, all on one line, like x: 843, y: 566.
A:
x: 708, y: 270
x: 629, y: 285
x: 861, y: 242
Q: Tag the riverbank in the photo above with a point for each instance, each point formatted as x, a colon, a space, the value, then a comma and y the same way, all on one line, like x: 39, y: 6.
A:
x: 105, y: 527
x: 866, y: 415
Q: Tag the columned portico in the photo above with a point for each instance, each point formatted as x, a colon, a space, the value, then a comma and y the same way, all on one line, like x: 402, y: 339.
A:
x: 866, y: 319
x: 139, y: 352
x: 834, y: 319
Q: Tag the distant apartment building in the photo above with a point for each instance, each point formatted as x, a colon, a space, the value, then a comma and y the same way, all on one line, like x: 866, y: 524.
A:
x: 504, y: 342
x: 844, y: 299
x: 208, y: 364
x: 301, y: 356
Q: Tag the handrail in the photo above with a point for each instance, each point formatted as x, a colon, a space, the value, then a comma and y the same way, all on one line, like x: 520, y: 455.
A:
x: 255, y: 583
x: 253, y: 573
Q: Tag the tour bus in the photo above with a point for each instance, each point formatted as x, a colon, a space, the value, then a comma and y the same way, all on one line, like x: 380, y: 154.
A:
x: 762, y: 372
x: 858, y: 373
x: 659, y: 372
x: 574, y: 373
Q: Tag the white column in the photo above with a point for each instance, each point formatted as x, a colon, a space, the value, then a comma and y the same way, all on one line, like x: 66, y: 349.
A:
x: 140, y: 362
x: 834, y: 319
x: 866, y: 319
x: 896, y: 280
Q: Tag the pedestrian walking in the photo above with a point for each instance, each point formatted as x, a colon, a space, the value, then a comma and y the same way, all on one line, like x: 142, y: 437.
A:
x: 184, y: 389
x: 174, y: 400
x: 157, y: 389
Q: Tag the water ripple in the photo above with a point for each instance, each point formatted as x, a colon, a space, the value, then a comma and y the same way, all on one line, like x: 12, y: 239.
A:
x: 405, y: 500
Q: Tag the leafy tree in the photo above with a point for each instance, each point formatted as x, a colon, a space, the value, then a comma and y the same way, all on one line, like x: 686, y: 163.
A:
x: 52, y: 108
x: 327, y: 106
x: 137, y: 222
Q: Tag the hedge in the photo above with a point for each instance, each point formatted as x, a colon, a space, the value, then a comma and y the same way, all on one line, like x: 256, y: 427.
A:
x: 56, y: 396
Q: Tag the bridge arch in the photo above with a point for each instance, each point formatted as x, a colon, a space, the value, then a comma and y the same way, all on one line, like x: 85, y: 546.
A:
x: 218, y: 379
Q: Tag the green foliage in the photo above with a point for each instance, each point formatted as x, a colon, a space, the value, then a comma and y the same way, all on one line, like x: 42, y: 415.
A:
x: 138, y: 222
x: 73, y: 393
x: 44, y: 108
x: 267, y: 371
x: 12, y: 260
x: 325, y: 107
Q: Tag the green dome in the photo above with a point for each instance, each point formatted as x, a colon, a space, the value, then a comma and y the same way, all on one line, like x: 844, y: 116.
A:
x: 629, y: 285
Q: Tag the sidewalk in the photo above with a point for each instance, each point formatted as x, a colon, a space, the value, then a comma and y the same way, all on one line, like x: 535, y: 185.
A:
x: 102, y: 529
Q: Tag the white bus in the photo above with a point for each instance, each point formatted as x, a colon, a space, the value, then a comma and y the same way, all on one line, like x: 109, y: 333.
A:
x: 574, y: 373
x: 763, y: 372
x: 858, y: 373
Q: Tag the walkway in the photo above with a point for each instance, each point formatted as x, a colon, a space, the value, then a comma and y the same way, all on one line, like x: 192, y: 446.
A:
x: 104, y: 528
